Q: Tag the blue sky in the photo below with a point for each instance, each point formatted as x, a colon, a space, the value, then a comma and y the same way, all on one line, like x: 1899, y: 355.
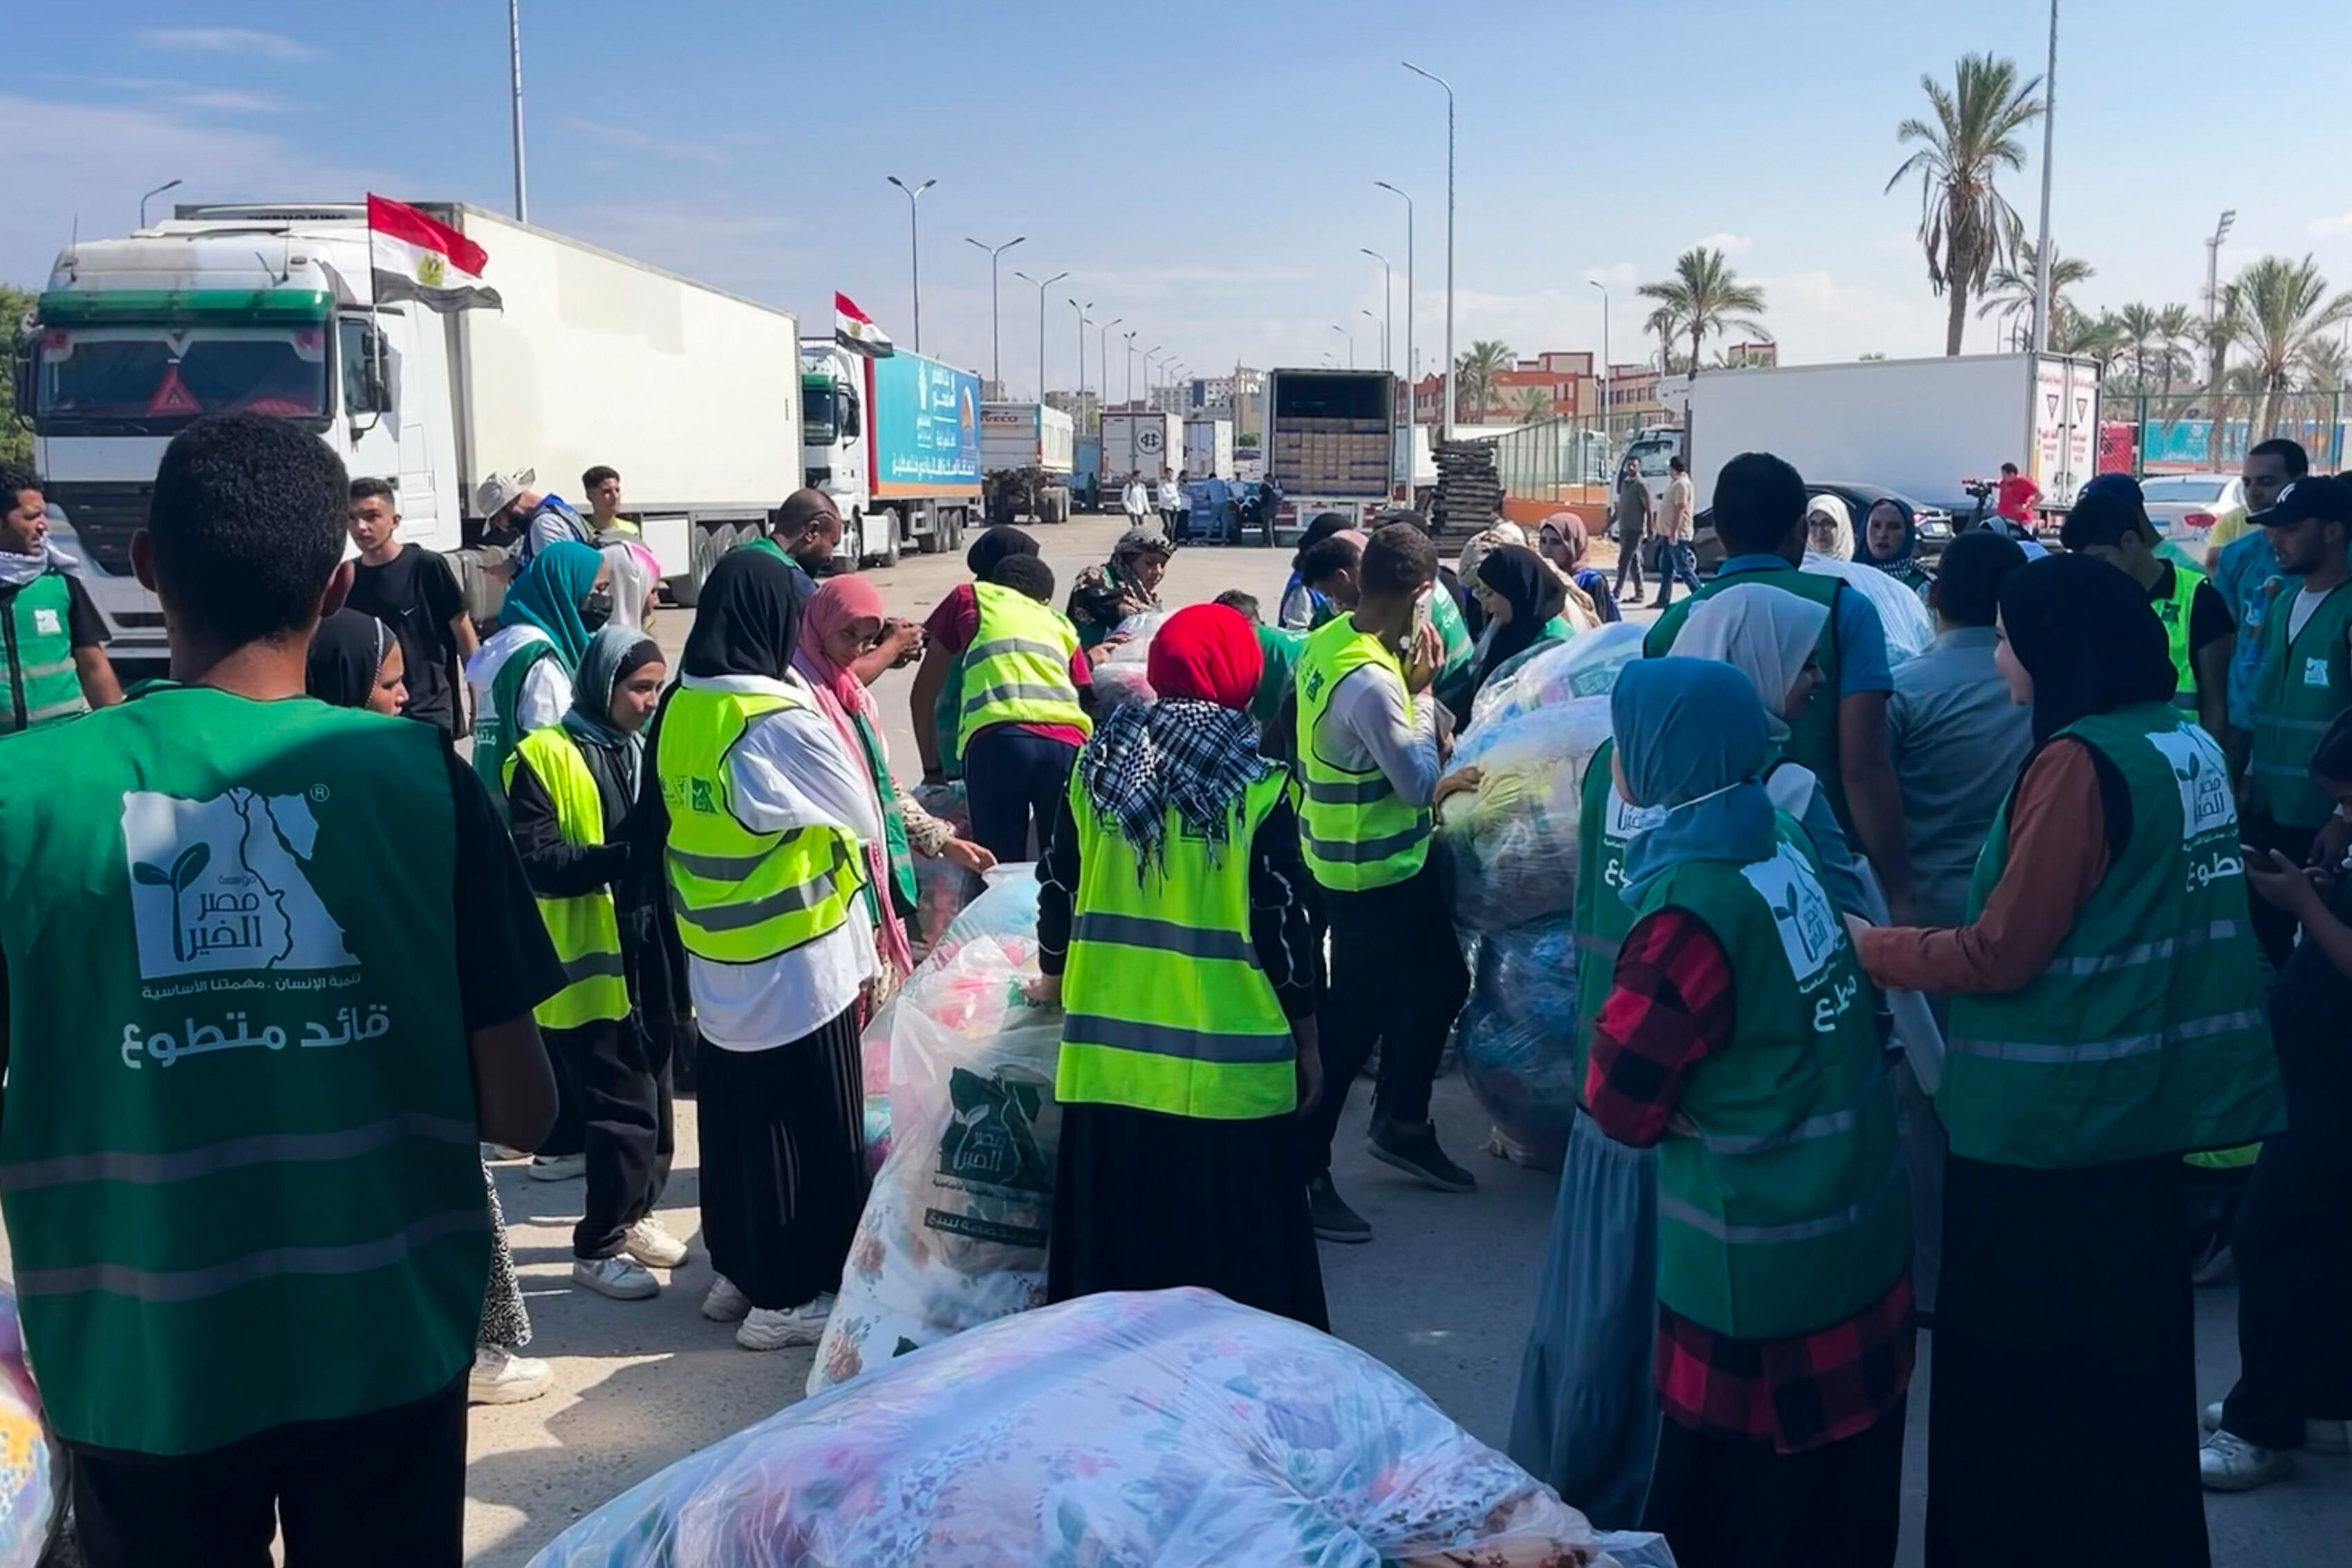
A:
x: 1203, y: 169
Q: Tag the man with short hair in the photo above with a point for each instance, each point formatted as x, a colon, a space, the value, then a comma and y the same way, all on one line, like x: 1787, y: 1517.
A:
x: 1135, y: 500
x: 2014, y: 501
x: 602, y: 486
x: 1633, y: 517
x: 1759, y: 514
x: 2109, y: 520
x: 243, y: 1189
x: 511, y: 508
x: 1677, y: 563
x: 1368, y: 752
x: 1174, y: 507
x: 416, y: 593
x: 807, y: 531
x: 52, y: 642
x: 2247, y: 574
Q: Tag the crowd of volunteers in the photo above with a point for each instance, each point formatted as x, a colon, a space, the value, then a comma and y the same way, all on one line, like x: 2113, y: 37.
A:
x: 1996, y: 991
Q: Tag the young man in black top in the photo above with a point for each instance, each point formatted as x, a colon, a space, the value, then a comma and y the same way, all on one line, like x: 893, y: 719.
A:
x: 416, y: 593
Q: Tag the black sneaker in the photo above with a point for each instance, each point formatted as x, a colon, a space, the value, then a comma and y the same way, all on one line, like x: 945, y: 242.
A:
x: 1414, y: 1150
x: 1334, y: 1220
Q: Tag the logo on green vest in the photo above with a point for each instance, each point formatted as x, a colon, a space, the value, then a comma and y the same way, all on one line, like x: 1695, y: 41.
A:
x: 46, y: 622
x: 220, y: 885
x: 2203, y: 779
x: 1314, y: 685
x: 702, y: 801
x: 1801, y: 910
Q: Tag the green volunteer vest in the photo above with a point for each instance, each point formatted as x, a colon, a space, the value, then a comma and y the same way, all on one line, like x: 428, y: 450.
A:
x: 495, y: 733
x: 586, y: 933
x: 1789, y: 1210
x: 1606, y: 823
x: 741, y: 896
x: 1457, y: 677
x: 894, y: 823
x: 2305, y: 681
x: 1813, y: 734
x: 1017, y: 670
x: 1353, y: 830
x: 2146, y: 1035
x: 2173, y: 610
x: 240, y: 1164
x: 1167, y: 1008
x: 43, y: 686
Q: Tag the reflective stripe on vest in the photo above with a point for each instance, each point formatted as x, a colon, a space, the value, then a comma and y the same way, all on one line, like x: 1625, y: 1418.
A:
x: 2305, y: 681
x: 42, y: 685
x: 1168, y: 1008
x: 1353, y: 831
x: 586, y: 933
x: 2175, y: 611
x: 1017, y: 671
x: 741, y: 896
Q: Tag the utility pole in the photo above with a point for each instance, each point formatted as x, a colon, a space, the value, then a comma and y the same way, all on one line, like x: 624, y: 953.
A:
x: 1446, y: 429
x: 2049, y: 139
x: 1388, y: 303
x: 1411, y: 359
x: 1043, y: 284
x: 1130, y: 367
x: 514, y: 68
x: 1102, y: 362
x: 996, y: 352
x: 915, y: 246
x: 1080, y: 413
x: 1604, y: 359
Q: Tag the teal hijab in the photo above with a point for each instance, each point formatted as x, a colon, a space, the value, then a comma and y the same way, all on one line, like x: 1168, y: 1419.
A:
x: 591, y: 715
x: 1692, y: 737
x: 549, y: 594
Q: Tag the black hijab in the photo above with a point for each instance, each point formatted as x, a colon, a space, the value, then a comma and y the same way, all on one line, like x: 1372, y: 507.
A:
x: 1533, y: 588
x: 994, y: 546
x: 2087, y: 634
x: 746, y: 620
x: 346, y: 656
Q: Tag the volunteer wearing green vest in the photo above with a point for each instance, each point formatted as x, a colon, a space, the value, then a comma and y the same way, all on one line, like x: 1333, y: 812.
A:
x: 1368, y: 751
x: 2109, y: 520
x: 2108, y: 1017
x: 1022, y: 717
x: 521, y: 675
x: 587, y: 834
x: 2305, y: 681
x: 239, y: 1159
x: 936, y: 700
x: 52, y: 644
x: 2246, y: 571
x: 1736, y: 1038
x: 1171, y: 927
x: 767, y: 815
x: 1760, y: 515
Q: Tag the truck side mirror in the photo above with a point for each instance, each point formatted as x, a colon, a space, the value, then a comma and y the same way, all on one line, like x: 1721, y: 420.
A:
x: 21, y: 380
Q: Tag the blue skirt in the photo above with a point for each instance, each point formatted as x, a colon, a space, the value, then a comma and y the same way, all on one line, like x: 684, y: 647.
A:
x: 1587, y: 1418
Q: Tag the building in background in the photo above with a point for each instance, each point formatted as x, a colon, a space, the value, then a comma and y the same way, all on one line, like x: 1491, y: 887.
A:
x: 1084, y: 409
x: 1752, y: 357
x: 1634, y: 399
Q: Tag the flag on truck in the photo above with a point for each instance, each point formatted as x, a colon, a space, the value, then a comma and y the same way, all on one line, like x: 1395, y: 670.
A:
x: 417, y: 257
x: 854, y: 329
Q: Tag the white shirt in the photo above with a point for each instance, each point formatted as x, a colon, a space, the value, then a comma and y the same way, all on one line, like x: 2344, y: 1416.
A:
x: 1172, y: 496
x: 1364, y: 727
x: 1136, y: 500
x: 789, y: 770
x: 2306, y: 602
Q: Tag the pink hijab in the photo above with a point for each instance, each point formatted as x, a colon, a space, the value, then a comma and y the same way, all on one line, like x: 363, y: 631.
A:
x: 839, y: 601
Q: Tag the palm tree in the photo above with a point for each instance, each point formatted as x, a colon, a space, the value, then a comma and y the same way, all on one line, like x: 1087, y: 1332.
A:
x: 2141, y: 335
x: 2219, y: 333
x: 1965, y: 224
x: 2175, y: 327
x: 1474, y: 373
x: 2010, y: 291
x: 1704, y: 296
x: 2325, y: 366
x: 2283, y: 309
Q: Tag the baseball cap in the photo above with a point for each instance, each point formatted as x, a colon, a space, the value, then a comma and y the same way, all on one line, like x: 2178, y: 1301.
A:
x: 2104, y: 507
x: 501, y: 490
x: 2120, y: 487
x: 2311, y: 498
x: 1143, y: 542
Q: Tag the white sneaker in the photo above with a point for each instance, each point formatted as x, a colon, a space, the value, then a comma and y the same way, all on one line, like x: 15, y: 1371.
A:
x: 616, y: 1276
x: 558, y: 1167
x: 651, y: 1246
x: 725, y: 1303
x: 765, y: 1330
x: 502, y: 1377
x: 2318, y: 1436
x: 2228, y: 1463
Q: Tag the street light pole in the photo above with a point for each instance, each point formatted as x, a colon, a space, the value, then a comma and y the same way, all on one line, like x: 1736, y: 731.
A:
x: 514, y: 69
x: 1351, y: 342
x: 166, y: 185
x: 1412, y: 360
x: 1043, y: 284
x: 1388, y: 303
x: 995, y: 351
x: 1446, y: 429
x: 2213, y: 267
x: 1382, y: 331
x: 1149, y: 355
x: 915, y: 246
x: 2049, y: 136
x: 1604, y: 359
x: 1130, y: 336
x: 1102, y: 359
x: 1080, y: 414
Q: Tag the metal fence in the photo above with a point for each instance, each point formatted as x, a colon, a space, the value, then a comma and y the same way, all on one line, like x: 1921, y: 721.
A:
x: 1557, y: 461
x: 2188, y: 432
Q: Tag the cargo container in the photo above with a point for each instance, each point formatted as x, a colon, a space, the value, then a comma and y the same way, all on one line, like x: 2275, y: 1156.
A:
x: 1329, y: 441
x: 894, y: 440
x: 1136, y: 442
x: 1209, y: 448
x: 1027, y: 450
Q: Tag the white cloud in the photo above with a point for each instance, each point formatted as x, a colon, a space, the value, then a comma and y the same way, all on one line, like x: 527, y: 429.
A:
x: 1730, y: 244
x: 275, y: 47
x: 634, y: 140
x: 2340, y: 224
x: 229, y: 102
x: 1616, y: 275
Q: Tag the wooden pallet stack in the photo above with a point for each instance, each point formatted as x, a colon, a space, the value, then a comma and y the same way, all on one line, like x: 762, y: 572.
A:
x: 1469, y: 493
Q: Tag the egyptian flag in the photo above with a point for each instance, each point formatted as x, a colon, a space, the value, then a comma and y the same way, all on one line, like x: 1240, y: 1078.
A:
x: 417, y: 257
x: 854, y: 329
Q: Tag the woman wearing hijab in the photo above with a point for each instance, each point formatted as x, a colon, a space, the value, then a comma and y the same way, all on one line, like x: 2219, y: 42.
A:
x: 521, y: 676
x: 2088, y: 1052
x: 1483, y: 544
x: 1170, y: 928
x: 1829, y: 528
x: 1889, y: 535
x: 1736, y: 1040
x: 1564, y: 542
x: 355, y: 662
x: 576, y: 803
x: 768, y: 815
x: 938, y: 695
x: 636, y: 583
x: 1521, y: 599
x: 843, y: 620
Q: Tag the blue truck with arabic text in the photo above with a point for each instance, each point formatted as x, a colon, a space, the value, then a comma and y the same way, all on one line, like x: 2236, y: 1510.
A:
x: 895, y: 440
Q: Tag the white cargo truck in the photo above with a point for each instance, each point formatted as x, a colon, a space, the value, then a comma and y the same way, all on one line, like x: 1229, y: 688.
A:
x: 1136, y: 442
x: 894, y: 438
x: 1208, y: 448
x: 1919, y: 427
x: 689, y: 392
x: 1027, y: 452
x: 1330, y: 442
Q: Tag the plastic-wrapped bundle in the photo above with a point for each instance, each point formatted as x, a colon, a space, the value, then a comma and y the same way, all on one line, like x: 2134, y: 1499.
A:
x: 1517, y: 1037
x: 1120, y: 678
x: 27, y: 1497
x: 1909, y: 628
x: 1586, y: 665
x: 1510, y: 849
x: 1168, y: 1428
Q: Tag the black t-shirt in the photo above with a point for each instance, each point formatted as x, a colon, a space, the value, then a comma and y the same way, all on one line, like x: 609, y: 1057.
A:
x: 417, y: 595
x: 2209, y: 612
x: 83, y: 625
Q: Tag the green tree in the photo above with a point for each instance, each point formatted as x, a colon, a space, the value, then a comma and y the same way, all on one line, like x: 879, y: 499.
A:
x: 1538, y: 407
x: 2283, y: 309
x: 1474, y: 370
x: 1966, y: 226
x: 2142, y: 336
x: 1705, y: 296
x: 2009, y: 292
x: 15, y: 441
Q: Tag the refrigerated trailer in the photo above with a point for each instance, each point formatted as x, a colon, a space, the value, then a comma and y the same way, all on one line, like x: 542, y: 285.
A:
x: 1139, y: 442
x: 690, y: 393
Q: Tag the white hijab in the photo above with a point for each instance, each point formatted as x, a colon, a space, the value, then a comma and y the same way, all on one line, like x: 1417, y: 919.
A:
x: 1841, y: 542
x: 1767, y: 634
x: 633, y: 582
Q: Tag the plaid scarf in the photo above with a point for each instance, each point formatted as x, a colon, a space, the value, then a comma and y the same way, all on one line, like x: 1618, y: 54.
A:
x: 1196, y: 756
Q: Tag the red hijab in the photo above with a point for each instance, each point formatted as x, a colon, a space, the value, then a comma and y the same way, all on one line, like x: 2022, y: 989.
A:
x: 1208, y: 652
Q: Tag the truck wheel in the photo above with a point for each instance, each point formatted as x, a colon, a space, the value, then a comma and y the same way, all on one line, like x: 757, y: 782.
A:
x: 890, y: 523
x: 1058, y: 506
x: 957, y: 521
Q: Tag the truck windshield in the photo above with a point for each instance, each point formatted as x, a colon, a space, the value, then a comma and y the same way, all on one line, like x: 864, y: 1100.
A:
x: 152, y: 381
x: 820, y: 415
